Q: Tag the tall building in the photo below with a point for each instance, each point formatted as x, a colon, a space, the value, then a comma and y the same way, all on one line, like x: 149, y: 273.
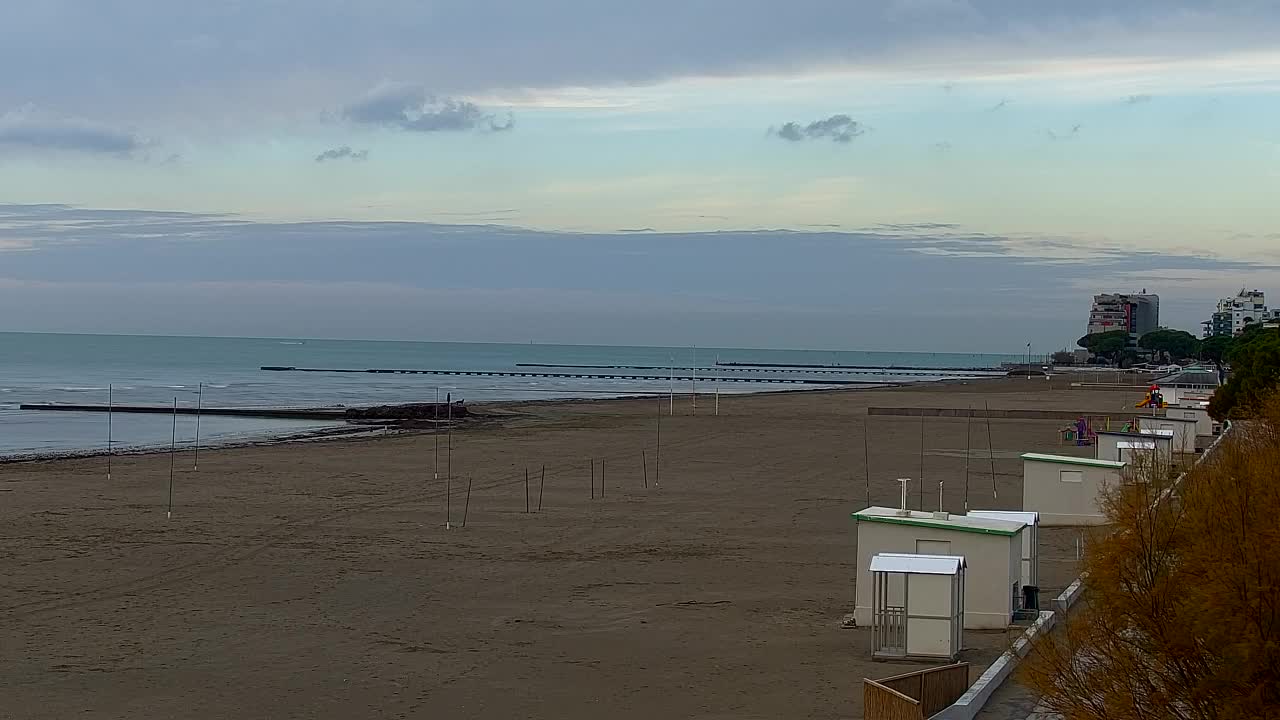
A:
x: 1137, y: 314
x: 1234, y: 314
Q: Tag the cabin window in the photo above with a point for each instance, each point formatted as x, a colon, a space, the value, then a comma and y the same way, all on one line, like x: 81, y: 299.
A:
x: 1071, y: 476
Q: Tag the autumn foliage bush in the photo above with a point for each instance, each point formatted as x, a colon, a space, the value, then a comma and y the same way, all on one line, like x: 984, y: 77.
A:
x: 1181, y: 612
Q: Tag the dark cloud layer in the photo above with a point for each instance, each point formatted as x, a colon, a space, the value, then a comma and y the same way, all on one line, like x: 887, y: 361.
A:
x: 30, y: 129
x: 837, y: 128
x: 493, y: 282
x: 404, y: 106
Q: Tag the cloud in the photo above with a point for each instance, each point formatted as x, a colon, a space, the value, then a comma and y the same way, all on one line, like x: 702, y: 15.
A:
x: 1137, y: 99
x: 28, y: 128
x: 343, y: 153
x: 405, y: 106
x: 837, y: 128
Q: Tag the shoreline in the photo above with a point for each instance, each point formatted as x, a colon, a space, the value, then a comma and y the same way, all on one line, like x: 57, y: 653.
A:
x: 372, y: 429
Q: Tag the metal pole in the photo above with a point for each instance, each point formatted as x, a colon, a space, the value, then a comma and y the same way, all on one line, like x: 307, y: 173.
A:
x: 991, y: 451
x: 671, y: 389
x: 866, y: 456
x: 448, y: 504
x: 448, y: 463
x: 109, y: 403
x: 466, y: 504
x: 968, y: 444
x: 921, y: 493
x: 1028, y: 361
x: 199, y: 407
x: 541, y: 485
x: 173, y: 446
x: 526, y: 490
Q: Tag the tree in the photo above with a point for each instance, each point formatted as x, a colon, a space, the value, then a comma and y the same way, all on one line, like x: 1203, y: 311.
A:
x: 1171, y: 344
x: 1181, y: 616
x: 1255, y: 373
x: 1214, y: 349
x: 1110, y: 345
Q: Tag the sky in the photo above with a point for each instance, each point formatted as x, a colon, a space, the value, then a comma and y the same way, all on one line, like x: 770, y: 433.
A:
x: 881, y: 174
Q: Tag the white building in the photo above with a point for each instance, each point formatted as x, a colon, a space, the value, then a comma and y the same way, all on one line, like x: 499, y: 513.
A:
x: 1064, y: 490
x: 1182, y: 431
x: 1030, y: 539
x: 1234, y: 314
x: 1197, y: 412
x: 1125, y: 447
x: 917, y: 606
x: 1136, y: 314
x: 992, y: 550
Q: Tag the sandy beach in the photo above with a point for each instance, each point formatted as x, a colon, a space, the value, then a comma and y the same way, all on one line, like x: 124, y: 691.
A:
x: 318, y: 580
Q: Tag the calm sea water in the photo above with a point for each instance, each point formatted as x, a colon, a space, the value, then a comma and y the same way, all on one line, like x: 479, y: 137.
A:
x: 149, y: 370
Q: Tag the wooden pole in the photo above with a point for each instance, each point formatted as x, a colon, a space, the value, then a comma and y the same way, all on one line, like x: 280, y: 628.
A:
x: 657, y: 460
x: 644, y: 463
x: 526, y: 490
x: 466, y: 505
x: 602, y: 478
x: 173, y: 447
x: 991, y: 450
x: 541, y: 485
x: 866, y: 455
x: 593, y: 478
x: 921, y: 483
x: 109, y: 404
x: 448, y: 502
x: 199, y: 407
x: 968, y: 445
x: 435, y: 438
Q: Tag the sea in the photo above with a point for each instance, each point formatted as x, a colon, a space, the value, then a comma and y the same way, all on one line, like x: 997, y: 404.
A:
x: 227, y: 372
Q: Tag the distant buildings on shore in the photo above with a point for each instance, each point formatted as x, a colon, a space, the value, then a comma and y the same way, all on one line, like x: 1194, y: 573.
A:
x: 1234, y: 314
x: 1136, y: 314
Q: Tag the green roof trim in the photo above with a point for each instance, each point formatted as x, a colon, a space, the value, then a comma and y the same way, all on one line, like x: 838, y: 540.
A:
x: 1088, y: 462
x: 940, y: 524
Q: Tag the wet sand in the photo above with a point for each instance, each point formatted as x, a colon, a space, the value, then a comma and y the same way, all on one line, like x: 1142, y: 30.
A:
x: 317, y: 580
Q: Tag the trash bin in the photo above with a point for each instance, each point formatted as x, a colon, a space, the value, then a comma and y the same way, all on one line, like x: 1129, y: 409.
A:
x: 1030, y: 597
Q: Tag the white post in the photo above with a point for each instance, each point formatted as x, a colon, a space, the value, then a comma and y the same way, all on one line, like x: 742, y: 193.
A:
x: 905, y: 482
x: 109, y: 399
x: 199, y: 406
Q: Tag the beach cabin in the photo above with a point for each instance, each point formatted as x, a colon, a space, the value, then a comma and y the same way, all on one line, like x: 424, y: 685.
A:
x: 1196, y: 412
x: 992, y: 550
x: 917, y: 606
x: 1192, y: 383
x: 1030, y: 540
x: 1182, y: 432
x: 1126, y: 446
x: 1063, y: 490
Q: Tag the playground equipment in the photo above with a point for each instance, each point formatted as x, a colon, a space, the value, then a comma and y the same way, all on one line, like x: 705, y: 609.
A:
x: 1153, y: 399
x: 1081, y: 434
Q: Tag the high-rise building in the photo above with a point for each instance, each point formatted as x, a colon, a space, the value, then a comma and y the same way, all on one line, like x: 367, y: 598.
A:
x: 1136, y: 313
x: 1234, y: 314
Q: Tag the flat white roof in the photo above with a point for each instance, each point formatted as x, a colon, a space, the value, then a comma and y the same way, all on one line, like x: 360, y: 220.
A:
x: 1072, y: 460
x: 1022, y: 516
x: 917, y: 564
x: 961, y: 523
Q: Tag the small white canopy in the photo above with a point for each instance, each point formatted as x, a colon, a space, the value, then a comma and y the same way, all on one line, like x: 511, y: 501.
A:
x: 1167, y: 432
x: 917, y: 564
x: 1137, y: 445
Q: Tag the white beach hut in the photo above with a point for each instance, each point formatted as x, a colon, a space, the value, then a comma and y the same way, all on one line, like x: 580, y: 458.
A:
x: 1197, y: 412
x: 992, y: 549
x: 1064, y: 490
x: 917, y: 606
x: 1030, y: 539
x: 1182, y: 431
x: 1128, y: 446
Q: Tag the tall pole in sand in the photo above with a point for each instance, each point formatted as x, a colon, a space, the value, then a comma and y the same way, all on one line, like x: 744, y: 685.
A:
x: 1028, y: 361
x: 173, y: 447
x: 922, y: 460
x: 695, y: 379
x: 671, y: 388
x: 109, y: 390
x: 199, y: 406
x: 991, y: 450
x: 866, y: 456
x: 657, y: 459
x: 435, y: 437
x: 448, y: 462
x: 968, y: 444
